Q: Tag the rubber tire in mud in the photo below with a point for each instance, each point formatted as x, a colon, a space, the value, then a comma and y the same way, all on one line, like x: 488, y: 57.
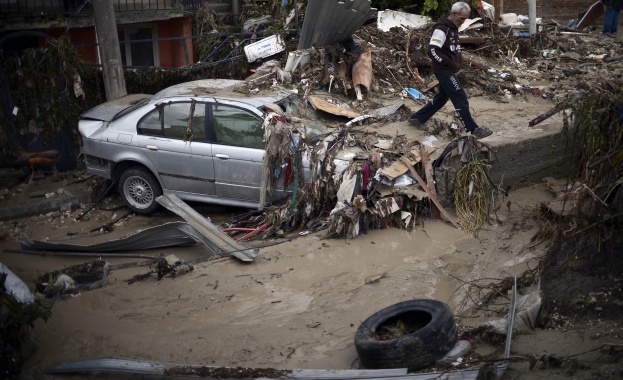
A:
x: 145, y: 187
x: 436, y: 336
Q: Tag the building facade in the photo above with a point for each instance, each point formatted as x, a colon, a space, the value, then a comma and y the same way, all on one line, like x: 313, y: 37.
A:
x: 151, y: 32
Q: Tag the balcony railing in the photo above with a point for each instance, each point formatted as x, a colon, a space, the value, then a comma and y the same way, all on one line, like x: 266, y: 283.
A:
x: 76, y: 8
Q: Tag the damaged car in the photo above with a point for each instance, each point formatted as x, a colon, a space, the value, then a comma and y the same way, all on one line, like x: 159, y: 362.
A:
x: 200, y: 140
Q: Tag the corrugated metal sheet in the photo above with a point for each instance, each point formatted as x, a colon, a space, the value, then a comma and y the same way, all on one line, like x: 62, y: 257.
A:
x: 329, y: 21
x: 166, y: 235
x: 210, y: 235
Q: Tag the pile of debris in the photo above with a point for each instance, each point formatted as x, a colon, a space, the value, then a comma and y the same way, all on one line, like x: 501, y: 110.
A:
x: 352, y: 181
x: 379, y: 189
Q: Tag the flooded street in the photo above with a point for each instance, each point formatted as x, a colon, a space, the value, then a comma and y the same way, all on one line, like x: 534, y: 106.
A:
x: 297, y: 306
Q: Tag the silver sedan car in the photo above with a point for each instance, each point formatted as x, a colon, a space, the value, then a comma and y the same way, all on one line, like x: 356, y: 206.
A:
x: 197, y: 140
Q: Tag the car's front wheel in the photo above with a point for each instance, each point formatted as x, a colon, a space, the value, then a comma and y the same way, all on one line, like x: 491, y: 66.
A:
x: 139, y: 189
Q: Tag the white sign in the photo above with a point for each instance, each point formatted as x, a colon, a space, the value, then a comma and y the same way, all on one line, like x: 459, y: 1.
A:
x: 264, y: 48
x: 389, y: 19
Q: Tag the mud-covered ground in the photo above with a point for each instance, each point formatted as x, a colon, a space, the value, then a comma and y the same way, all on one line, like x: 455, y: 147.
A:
x: 298, y: 305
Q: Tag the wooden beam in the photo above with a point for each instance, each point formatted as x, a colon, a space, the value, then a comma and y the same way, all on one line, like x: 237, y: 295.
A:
x: 430, y: 177
x: 432, y: 196
x: 473, y: 40
x: 476, y: 64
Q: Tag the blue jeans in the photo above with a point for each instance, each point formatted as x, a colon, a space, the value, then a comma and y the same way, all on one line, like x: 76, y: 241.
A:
x: 611, y: 20
x: 449, y: 88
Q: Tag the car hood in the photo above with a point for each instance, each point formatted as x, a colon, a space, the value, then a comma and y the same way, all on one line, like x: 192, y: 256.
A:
x: 107, y: 111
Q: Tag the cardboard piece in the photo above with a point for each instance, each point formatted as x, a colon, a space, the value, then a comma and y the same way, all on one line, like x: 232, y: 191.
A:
x: 323, y: 105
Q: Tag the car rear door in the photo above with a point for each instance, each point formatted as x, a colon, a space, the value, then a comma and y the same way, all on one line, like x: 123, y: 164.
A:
x: 183, y: 160
x: 238, y: 150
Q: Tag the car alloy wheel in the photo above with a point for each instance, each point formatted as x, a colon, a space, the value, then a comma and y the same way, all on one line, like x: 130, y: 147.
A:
x: 139, y: 189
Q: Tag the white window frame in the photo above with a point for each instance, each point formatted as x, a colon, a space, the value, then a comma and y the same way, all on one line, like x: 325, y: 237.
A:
x: 128, y: 46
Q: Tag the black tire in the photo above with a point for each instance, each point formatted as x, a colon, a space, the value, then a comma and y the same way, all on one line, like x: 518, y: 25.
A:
x: 434, y: 334
x: 139, y: 190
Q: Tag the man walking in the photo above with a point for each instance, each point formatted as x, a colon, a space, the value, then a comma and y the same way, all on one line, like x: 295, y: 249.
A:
x: 445, y: 52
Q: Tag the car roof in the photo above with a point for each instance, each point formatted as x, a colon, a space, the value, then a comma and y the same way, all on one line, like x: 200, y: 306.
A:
x: 219, y: 88
x: 223, y: 89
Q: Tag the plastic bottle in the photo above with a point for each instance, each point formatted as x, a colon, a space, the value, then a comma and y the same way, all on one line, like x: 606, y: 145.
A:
x: 461, y: 348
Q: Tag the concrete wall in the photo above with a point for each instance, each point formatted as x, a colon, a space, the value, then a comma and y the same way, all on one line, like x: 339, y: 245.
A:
x: 522, y: 160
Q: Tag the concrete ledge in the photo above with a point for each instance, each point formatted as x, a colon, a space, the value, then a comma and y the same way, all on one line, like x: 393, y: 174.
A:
x: 25, y: 209
x: 526, y: 156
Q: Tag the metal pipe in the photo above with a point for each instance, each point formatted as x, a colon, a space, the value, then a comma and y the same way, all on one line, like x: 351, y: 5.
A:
x: 532, y: 16
x: 81, y: 254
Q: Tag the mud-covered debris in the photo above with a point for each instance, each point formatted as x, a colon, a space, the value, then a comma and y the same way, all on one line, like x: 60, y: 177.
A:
x: 228, y: 373
x: 85, y: 273
x: 172, y: 266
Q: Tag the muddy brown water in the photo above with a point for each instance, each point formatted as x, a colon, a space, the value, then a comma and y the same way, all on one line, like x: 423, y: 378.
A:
x: 297, y: 306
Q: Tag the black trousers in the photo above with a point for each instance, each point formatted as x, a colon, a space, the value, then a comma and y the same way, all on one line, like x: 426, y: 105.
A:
x: 449, y: 89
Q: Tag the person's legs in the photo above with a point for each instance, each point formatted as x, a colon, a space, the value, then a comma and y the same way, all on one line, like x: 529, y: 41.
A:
x: 439, y: 100
x: 608, y: 21
x: 452, y: 87
x: 615, y: 21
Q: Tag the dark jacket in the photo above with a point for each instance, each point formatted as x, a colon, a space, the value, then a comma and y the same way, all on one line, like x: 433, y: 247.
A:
x: 447, y: 58
x: 615, y: 4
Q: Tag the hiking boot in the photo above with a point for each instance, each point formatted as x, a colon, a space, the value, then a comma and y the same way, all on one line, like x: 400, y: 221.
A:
x: 418, y: 125
x: 481, y: 132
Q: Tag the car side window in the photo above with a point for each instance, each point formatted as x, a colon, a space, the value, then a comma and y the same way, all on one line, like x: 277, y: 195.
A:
x: 235, y: 126
x: 175, y: 121
x: 150, y: 124
x: 176, y: 117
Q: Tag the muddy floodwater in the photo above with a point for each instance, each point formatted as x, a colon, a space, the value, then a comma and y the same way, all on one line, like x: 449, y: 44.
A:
x: 297, y: 306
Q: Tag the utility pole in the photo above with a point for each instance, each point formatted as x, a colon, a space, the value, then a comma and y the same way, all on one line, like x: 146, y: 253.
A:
x: 110, y: 54
x: 498, y: 4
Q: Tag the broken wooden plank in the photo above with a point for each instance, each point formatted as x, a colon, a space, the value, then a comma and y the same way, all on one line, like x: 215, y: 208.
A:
x: 431, y: 85
x: 559, y: 107
x: 320, y: 104
x: 430, y: 177
x: 592, y: 13
x: 432, y: 196
x: 398, y: 168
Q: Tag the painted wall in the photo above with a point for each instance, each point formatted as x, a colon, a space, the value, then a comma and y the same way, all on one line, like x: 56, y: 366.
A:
x: 79, y: 36
x: 172, y: 51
